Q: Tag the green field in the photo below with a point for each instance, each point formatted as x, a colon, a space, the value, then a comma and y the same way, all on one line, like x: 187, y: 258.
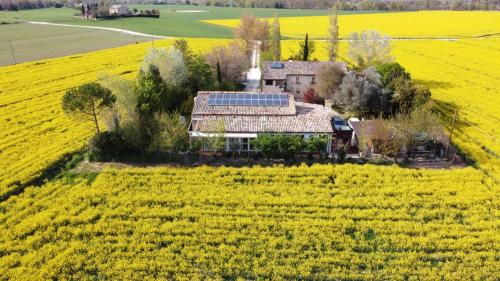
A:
x: 34, y: 42
x: 171, y: 21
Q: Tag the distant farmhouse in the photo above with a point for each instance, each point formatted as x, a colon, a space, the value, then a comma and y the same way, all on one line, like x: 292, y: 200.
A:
x: 100, y: 9
x: 245, y: 115
x: 290, y: 76
x: 118, y: 10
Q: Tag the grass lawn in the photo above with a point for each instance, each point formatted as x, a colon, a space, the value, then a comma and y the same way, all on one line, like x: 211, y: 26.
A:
x: 172, y: 22
x: 34, y: 42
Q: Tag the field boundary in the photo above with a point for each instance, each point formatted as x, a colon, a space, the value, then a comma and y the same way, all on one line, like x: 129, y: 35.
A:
x: 120, y: 30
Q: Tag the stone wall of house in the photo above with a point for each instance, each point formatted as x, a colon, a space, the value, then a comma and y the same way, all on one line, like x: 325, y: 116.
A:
x: 299, y: 84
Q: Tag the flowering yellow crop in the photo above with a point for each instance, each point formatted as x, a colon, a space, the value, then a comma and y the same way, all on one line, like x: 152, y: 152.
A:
x: 462, y: 74
x: 34, y: 132
x: 423, y: 24
x: 325, y: 222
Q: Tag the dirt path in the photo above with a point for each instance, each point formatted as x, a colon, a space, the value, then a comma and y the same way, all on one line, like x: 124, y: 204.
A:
x: 125, y: 31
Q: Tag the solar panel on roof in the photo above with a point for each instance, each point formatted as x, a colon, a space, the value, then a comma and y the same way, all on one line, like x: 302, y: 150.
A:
x: 248, y: 99
x: 277, y: 65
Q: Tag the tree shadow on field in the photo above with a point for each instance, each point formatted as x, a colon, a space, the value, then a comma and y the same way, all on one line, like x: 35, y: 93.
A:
x: 434, y: 84
x: 446, y: 110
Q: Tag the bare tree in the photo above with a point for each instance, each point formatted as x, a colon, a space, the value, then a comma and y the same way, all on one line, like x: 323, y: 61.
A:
x: 329, y: 79
x: 369, y: 48
x: 232, y: 62
x: 252, y: 29
x: 333, y: 35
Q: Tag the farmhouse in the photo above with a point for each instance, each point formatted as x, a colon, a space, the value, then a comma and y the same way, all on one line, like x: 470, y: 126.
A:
x: 290, y: 76
x: 118, y: 10
x: 245, y: 115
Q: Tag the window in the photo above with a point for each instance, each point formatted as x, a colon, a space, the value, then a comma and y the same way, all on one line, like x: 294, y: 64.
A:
x: 269, y: 82
x: 313, y: 79
x: 297, y: 79
x: 207, y: 146
x: 241, y: 144
x: 234, y: 144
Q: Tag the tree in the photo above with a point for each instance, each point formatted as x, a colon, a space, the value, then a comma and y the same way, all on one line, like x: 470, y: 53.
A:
x: 305, y: 49
x: 219, y: 73
x: 217, y: 141
x: 149, y: 90
x: 173, y: 133
x: 276, y: 39
x: 199, y: 74
x: 363, y: 96
x: 170, y: 64
x: 125, y: 108
x: 418, y: 127
x: 390, y: 73
x: 422, y: 95
x: 329, y: 79
x: 89, y: 99
x: 333, y: 35
x: 252, y: 29
x: 406, y: 97
x: 369, y: 48
x: 233, y: 62
x: 103, y: 8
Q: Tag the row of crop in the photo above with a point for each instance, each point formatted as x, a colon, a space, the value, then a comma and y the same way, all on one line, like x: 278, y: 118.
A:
x: 279, y: 224
x: 458, y: 83
x: 34, y: 131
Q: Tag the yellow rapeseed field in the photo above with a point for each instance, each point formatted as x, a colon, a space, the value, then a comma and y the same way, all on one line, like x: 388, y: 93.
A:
x: 325, y: 222
x: 34, y: 131
x: 423, y: 24
x: 462, y: 74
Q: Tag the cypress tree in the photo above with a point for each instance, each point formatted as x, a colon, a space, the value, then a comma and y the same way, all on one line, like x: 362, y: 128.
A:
x: 219, y: 74
x: 305, y: 56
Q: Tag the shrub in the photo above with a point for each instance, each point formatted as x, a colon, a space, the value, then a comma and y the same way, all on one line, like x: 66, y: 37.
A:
x: 316, y: 144
x: 279, y: 145
x: 108, y: 146
x: 311, y: 97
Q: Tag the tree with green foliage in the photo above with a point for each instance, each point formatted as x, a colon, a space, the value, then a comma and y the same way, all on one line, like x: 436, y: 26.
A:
x: 199, y: 74
x: 89, y: 99
x: 267, y: 145
x: 305, y: 49
x: 390, y: 73
x: 408, y: 96
x: 173, y: 134
x: 276, y: 39
x: 219, y: 73
x: 217, y: 141
x: 333, y: 35
x: 316, y: 144
x: 149, y: 89
x: 279, y: 145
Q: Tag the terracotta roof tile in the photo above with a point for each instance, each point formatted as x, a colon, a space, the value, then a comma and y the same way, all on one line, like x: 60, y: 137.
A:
x: 298, y: 117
